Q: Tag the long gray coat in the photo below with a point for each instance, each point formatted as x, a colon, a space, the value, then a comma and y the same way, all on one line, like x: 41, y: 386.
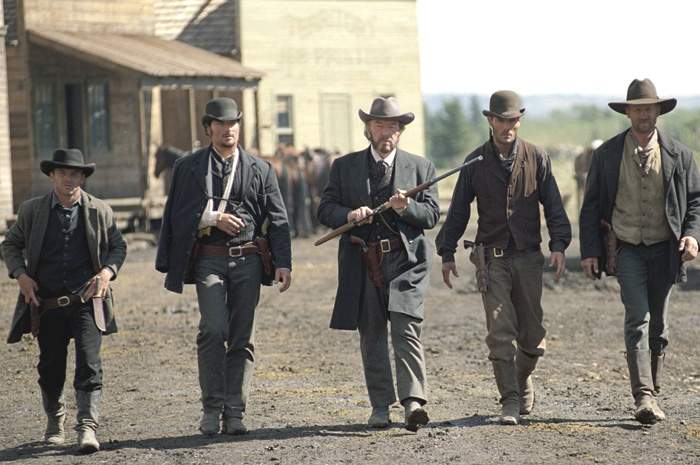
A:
x: 348, y: 189
x: 26, y: 237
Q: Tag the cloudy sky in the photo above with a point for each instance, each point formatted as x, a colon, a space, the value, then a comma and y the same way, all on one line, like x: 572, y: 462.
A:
x: 569, y: 47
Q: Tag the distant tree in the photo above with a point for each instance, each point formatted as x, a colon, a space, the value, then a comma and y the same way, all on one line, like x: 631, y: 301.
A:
x: 448, y: 133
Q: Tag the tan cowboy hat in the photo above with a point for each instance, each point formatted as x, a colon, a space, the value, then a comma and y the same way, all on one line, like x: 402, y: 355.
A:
x: 643, y: 93
x: 505, y: 104
x: 386, y: 109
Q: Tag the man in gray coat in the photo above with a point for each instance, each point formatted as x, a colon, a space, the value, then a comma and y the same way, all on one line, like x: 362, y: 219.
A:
x: 72, y: 249
x: 222, y: 201
x: 391, y: 284
x: 640, y: 220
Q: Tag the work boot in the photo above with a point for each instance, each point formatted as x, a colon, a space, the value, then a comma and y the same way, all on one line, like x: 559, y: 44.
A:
x: 506, y: 380
x: 525, y: 364
x: 379, y: 417
x: 88, y: 404
x: 639, y: 364
x: 657, y: 369
x: 658, y: 413
x: 415, y: 415
x: 210, y: 423
x: 234, y: 426
x: 55, y: 410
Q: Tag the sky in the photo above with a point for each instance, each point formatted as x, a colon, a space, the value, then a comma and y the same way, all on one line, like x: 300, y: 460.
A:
x: 559, y: 47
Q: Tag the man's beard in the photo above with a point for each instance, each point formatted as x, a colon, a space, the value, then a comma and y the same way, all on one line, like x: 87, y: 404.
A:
x: 378, y: 146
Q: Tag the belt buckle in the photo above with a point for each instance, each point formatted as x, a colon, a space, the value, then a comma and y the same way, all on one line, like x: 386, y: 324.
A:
x: 385, y: 245
x: 235, y: 252
x: 63, y: 301
x: 497, y: 253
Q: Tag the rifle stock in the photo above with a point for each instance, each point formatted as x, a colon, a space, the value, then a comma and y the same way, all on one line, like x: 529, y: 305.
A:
x: 386, y: 205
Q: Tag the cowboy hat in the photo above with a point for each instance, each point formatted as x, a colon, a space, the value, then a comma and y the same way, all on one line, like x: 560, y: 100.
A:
x: 386, y: 109
x: 643, y: 93
x: 67, y: 158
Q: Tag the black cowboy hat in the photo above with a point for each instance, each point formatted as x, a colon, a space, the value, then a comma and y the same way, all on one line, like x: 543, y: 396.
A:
x: 386, y: 109
x: 221, y: 109
x: 505, y: 104
x: 643, y: 93
x: 67, y: 158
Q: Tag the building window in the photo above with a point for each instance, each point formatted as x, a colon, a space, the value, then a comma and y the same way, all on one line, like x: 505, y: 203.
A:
x: 285, y: 120
x: 44, y: 117
x: 98, y: 117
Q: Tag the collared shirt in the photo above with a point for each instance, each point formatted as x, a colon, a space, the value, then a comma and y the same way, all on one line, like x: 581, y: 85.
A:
x: 507, y: 160
x: 67, y: 216
x: 389, y: 159
x: 225, y: 169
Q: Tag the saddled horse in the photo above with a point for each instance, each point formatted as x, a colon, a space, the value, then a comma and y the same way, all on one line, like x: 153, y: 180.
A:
x: 166, y: 156
x: 318, y: 168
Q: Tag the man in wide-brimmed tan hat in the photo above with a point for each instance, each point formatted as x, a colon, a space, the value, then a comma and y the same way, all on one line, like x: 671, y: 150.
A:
x: 509, y: 185
x: 384, y: 264
x: 63, y: 251
x: 644, y: 186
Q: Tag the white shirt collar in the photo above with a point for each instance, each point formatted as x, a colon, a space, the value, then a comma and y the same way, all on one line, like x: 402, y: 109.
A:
x: 389, y: 159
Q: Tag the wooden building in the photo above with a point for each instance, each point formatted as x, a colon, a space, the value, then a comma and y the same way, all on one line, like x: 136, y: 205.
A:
x: 322, y: 59
x: 91, y: 74
x: 5, y: 162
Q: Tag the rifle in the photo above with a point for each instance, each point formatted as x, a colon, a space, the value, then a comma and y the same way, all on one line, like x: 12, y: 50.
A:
x: 386, y: 205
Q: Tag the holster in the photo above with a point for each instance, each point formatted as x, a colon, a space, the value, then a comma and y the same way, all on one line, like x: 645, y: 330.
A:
x: 266, y: 257
x: 610, y: 241
x: 372, y: 258
x: 35, y: 319
x: 478, y: 258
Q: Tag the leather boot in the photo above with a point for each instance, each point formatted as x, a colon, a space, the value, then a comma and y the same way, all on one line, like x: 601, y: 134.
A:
x: 657, y: 369
x: 379, y: 417
x: 55, y: 410
x: 639, y: 364
x: 88, y: 404
x: 506, y: 380
x: 525, y: 364
x: 416, y: 416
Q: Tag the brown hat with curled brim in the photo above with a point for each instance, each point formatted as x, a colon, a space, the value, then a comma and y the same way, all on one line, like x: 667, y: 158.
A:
x: 643, y: 93
x: 386, y: 109
x: 67, y: 158
x: 505, y: 104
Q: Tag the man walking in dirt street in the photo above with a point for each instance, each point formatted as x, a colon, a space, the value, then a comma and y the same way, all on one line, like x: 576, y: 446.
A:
x: 223, y: 217
x: 640, y: 220
x: 509, y: 185
x: 63, y: 251
x: 396, y: 256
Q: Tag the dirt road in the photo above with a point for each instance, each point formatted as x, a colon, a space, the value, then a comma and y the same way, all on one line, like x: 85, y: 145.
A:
x: 309, y: 404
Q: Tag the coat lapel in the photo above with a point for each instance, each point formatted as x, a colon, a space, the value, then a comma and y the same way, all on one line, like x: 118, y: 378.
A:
x: 611, y: 165
x: 360, y: 178
x: 40, y: 220
x: 91, y: 226
x: 668, y: 161
x: 404, y: 172
x: 246, y: 165
x: 199, y: 168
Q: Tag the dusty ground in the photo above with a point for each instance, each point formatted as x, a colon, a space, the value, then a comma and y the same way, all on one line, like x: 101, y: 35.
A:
x: 309, y: 403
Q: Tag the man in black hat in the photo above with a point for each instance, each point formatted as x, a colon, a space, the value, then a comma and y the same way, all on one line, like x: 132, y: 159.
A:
x: 643, y: 191
x: 509, y: 186
x: 396, y: 256
x: 222, y: 202
x: 72, y: 249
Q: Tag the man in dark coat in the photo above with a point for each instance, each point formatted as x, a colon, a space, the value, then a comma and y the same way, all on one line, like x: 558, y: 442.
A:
x: 509, y: 185
x: 221, y: 202
x: 72, y: 249
x: 644, y: 189
x: 397, y: 257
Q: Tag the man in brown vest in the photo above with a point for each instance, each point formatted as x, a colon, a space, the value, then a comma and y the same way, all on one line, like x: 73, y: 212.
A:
x: 645, y: 187
x: 509, y: 185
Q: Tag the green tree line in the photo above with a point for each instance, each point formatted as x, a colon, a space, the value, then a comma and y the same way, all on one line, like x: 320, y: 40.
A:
x: 453, y: 131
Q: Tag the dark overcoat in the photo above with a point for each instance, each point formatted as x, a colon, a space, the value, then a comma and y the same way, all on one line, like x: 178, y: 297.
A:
x: 681, y: 193
x: 187, y: 199
x: 348, y: 189
x: 26, y: 237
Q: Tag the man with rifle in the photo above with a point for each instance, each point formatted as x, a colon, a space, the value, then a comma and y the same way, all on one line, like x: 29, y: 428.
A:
x: 514, y: 178
x: 384, y: 262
